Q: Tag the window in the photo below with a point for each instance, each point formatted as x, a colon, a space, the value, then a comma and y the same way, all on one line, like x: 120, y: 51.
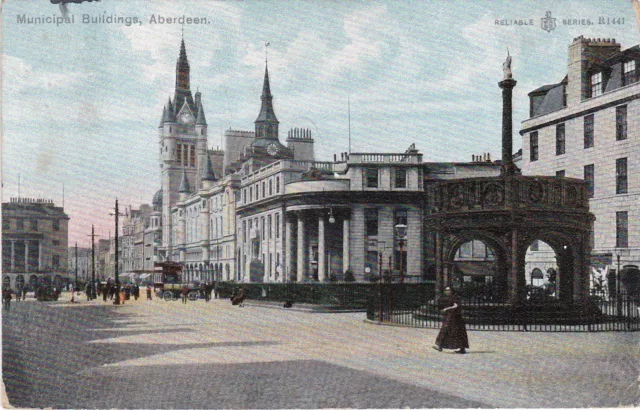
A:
x: 192, y: 149
x: 277, y: 185
x: 270, y: 187
x: 621, y: 176
x: 533, y: 146
x: 56, y: 225
x: 560, y: 139
x: 588, y: 131
x: 622, y: 229
x: 264, y: 189
x: 269, y: 227
x: 371, y: 221
x: 596, y: 84
x: 589, y: 178
x: 629, y: 75
x: 6, y: 223
x: 371, y: 175
x: 55, y: 261
x: 244, y: 231
x: 560, y: 173
x: 277, y: 225
x: 179, y: 153
x: 55, y: 242
x: 250, y: 194
x: 244, y: 195
x: 621, y: 122
x: 400, y: 217
x: 262, y: 233
x: 400, y: 178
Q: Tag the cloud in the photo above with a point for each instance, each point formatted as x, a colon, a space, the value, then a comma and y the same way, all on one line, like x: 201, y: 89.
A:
x: 21, y: 76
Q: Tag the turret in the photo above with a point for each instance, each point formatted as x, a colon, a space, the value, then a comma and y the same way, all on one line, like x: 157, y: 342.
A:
x: 209, y: 177
x: 185, y: 189
x: 266, y: 123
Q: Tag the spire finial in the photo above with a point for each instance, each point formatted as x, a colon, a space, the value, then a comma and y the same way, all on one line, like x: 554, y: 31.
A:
x: 266, y: 52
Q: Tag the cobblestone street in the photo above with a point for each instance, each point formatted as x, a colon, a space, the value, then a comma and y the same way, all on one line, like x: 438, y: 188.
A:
x: 213, y: 355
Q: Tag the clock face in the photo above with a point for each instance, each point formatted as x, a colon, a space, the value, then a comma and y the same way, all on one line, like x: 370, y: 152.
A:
x: 272, y: 149
x: 186, y: 118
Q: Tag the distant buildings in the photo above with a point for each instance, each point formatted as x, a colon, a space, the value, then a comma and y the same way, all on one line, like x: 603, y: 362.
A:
x: 34, y: 242
x: 587, y: 126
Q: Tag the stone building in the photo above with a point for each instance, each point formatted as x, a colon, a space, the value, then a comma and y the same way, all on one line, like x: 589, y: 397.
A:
x: 265, y: 211
x: 587, y: 126
x: 34, y: 242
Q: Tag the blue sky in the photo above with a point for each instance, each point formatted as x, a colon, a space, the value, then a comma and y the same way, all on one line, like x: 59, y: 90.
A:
x: 81, y: 102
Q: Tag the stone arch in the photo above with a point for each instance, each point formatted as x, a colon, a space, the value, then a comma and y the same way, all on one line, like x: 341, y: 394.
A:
x: 501, y: 254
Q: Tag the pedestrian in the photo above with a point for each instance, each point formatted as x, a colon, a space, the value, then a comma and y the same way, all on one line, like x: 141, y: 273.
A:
x: 6, y: 298
x: 149, y: 292
x: 127, y: 291
x: 238, y: 298
x: 105, y: 292
x: 185, y: 293
x: 88, y: 290
x: 18, y: 295
x: 123, y: 295
x: 24, y: 293
x: 453, y: 333
x: 136, y: 291
x: 74, y: 294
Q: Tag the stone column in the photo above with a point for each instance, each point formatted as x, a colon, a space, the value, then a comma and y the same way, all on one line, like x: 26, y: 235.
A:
x: 346, y: 263
x: 321, y: 249
x: 300, y: 265
x: 439, y: 266
x: 508, y: 167
x: 40, y: 255
x: 26, y: 256
x: 512, y: 285
x: 13, y: 256
x: 288, y: 257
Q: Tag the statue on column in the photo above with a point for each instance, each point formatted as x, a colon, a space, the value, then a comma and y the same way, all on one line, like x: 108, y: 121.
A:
x: 506, y: 67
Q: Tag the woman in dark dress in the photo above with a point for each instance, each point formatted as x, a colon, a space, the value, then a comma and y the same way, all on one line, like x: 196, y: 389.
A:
x: 453, y: 334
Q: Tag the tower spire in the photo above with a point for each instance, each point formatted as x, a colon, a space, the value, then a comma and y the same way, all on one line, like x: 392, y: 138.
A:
x: 183, y: 82
x: 266, y: 123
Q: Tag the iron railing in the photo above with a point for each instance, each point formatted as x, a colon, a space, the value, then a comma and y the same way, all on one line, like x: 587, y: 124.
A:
x: 418, y: 308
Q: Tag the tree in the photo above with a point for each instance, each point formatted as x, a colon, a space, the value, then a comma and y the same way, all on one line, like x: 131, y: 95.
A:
x: 349, y: 276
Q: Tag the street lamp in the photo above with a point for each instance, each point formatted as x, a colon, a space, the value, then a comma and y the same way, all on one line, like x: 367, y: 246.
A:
x: 382, y: 248
x: 401, y: 233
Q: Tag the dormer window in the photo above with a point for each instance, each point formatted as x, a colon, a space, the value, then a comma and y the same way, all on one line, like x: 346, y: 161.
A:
x: 596, y: 84
x: 629, y: 74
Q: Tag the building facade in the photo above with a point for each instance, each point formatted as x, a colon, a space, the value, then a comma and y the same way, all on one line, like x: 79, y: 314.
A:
x: 587, y: 126
x: 34, y: 242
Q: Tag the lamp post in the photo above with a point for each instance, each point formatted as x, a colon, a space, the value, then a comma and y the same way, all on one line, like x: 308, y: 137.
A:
x: 117, y: 214
x: 93, y: 262
x: 401, y: 233
x: 382, y: 247
x: 76, y: 284
x: 619, y: 252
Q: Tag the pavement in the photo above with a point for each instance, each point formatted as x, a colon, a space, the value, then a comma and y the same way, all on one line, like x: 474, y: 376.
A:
x: 157, y: 354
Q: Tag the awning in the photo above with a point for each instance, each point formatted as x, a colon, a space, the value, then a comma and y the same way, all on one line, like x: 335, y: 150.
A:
x: 144, y: 276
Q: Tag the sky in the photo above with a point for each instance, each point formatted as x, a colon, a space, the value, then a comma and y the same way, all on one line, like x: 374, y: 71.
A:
x: 81, y: 102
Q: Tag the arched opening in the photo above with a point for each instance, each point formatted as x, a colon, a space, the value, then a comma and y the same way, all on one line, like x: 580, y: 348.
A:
x: 6, y: 282
x: 33, y: 281
x: 476, y: 270
x: 19, y: 282
x: 552, y: 255
x: 541, y: 271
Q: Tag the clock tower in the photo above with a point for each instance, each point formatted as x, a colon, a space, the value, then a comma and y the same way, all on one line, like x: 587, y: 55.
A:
x: 183, y: 148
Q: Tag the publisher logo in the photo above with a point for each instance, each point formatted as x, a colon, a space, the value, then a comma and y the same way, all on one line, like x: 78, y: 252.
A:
x: 548, y: 23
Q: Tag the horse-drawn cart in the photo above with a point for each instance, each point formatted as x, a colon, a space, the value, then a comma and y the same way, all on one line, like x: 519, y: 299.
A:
x: 167, y: 281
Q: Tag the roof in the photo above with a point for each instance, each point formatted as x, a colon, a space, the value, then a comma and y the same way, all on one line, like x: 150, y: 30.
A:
x: 200, y: 119
x: 209, y: 175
